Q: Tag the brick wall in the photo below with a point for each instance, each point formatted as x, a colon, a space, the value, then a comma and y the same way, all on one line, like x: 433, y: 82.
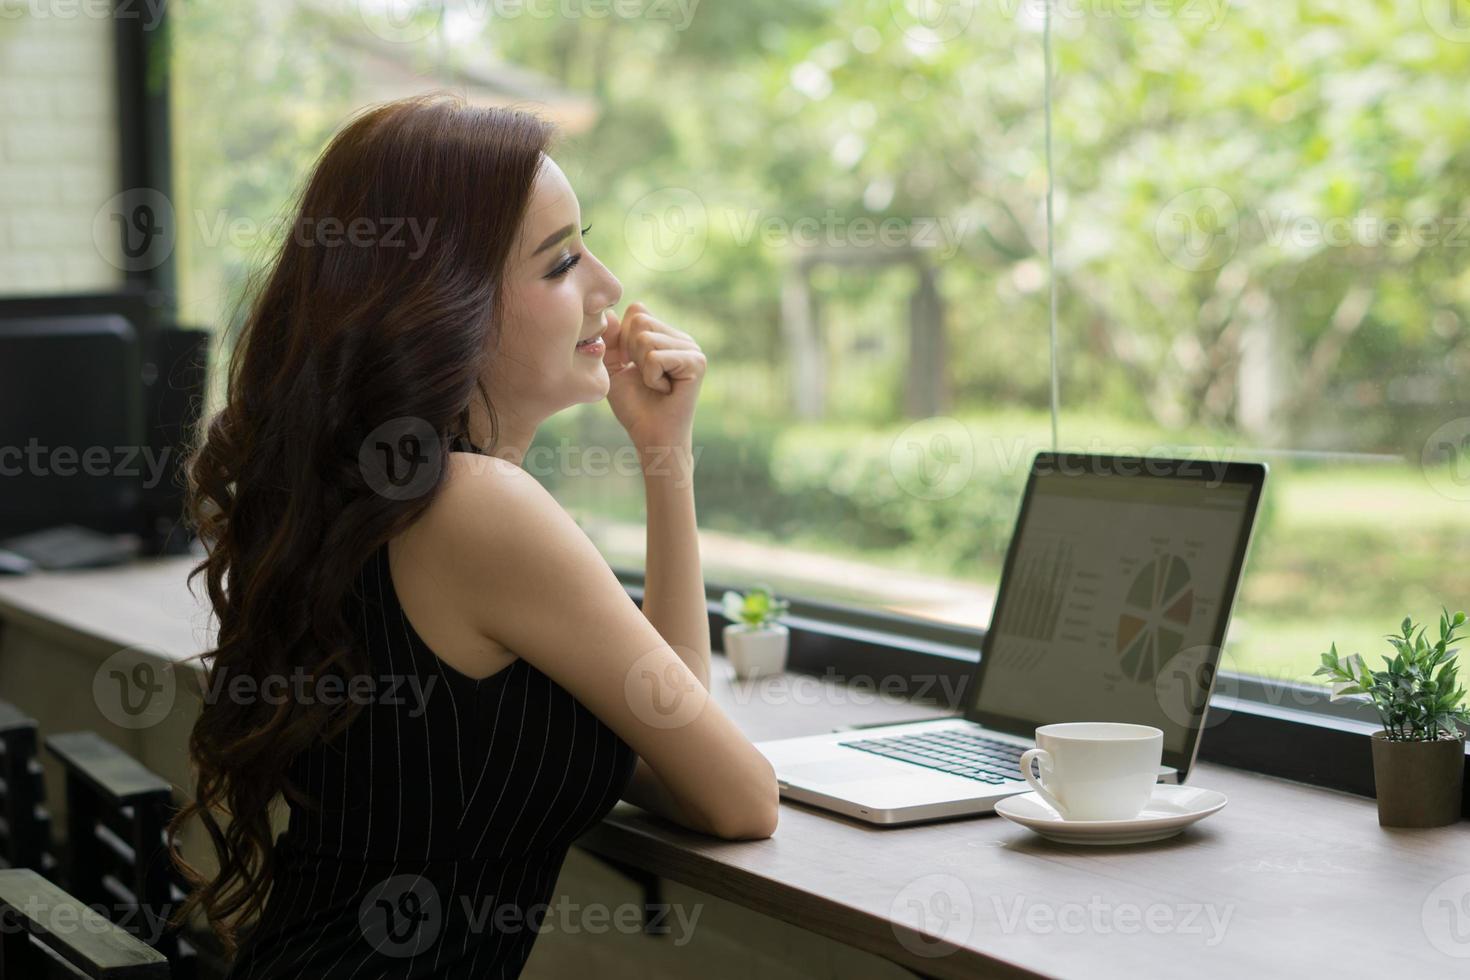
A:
x: 58, y: 146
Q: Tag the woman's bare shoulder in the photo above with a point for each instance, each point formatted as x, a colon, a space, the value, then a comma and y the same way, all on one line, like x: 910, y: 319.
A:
x: 489, y: 516
x: 474, y: 482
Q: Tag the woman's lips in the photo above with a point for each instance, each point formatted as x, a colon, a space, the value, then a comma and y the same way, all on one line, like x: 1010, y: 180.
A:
x: 593, y: 345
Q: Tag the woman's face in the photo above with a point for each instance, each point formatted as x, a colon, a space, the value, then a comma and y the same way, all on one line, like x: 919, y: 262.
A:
x: 556, y: 291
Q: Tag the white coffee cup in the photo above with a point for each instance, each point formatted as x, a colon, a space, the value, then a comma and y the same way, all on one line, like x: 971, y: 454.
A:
x: 1095, y: 770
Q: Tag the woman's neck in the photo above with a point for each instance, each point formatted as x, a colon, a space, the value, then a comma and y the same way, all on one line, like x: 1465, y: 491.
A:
x: 512, y: 437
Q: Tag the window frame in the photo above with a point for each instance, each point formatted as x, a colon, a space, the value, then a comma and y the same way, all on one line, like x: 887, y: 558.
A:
x: 145, y: 140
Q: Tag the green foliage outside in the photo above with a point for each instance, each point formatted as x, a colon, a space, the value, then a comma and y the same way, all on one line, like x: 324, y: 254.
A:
x: 1263, y: 229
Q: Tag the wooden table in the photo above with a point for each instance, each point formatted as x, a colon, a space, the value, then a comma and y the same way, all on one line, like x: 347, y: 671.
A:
x: 1287, y: 880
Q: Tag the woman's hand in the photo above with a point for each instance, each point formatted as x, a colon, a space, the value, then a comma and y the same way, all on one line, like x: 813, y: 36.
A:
x: 655, y: 372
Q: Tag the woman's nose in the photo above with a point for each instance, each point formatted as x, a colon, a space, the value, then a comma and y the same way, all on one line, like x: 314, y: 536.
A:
x: 609, y: 291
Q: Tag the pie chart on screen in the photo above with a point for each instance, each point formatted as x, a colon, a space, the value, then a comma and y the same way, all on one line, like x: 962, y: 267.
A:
x: 1156, y: 614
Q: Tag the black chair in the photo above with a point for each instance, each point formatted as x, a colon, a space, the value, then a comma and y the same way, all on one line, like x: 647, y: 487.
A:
x: 25, y: 824
x: 44, y: 932
x: 117, y: 851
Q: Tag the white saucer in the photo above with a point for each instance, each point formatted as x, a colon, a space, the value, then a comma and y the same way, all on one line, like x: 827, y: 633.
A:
x: 1169, y: 810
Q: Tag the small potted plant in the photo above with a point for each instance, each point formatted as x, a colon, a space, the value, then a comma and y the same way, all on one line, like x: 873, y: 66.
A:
x: 1419, y: 756
x: 754, y: 641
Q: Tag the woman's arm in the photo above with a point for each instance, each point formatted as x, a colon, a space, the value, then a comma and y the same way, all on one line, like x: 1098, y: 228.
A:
x: 648, y: 791
x: 673, y: 589
x: 655, y: 371
x: 673, y: 598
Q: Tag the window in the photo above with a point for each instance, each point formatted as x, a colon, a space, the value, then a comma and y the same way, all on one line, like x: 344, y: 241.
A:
x: 1263, y: 253
x: 1261, y: 240
x: 58, y: 152
x: 799, y: 185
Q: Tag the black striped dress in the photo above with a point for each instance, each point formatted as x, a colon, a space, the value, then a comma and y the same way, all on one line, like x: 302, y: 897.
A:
x: 448, y: 808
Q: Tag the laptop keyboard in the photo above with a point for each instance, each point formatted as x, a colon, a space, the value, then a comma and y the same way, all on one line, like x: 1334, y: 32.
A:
x: 958, y: 752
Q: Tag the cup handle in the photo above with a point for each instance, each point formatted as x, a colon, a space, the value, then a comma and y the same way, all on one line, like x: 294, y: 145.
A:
x: 1043, y: 758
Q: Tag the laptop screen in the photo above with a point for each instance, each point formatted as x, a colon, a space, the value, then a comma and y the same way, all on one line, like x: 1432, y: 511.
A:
x: 1113, y: 597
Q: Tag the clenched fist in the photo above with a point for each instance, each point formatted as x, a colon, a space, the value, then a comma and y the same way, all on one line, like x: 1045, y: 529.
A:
x: 655, y: 371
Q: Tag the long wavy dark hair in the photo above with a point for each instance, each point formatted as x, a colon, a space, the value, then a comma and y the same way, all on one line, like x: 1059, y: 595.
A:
x: 346, y: 333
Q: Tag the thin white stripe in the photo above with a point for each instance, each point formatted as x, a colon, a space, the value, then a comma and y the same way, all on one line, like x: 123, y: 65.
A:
x: 393, y: 675
x: 489, y: 753
x: 445, y: 912
x: 418, y: 933
x: 506, y: 782
x: 542, y: 886
x: 424, y: 708
x: 524, y: 900
x: 311, y: 897
x: 342, y: 826
x: 372, y: 950
x: 591, y: 768
x: 296, y: 893
x: 530, y: 791
x: 304, y: 960
x: 408, y: 635
x: 469, y: 926
x: 367, y: 643
x: 362, y: 881
x: 556, y: 799
x: 612, y: 774
x: 428, y: 738
x: 490, y: 917
x: 500, y: 934
x: 285, y: 918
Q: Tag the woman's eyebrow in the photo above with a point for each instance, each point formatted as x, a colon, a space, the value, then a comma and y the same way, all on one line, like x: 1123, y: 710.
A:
x: 556, y: 236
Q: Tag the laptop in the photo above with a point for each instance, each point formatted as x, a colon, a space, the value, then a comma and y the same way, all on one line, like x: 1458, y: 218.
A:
x: 1113, y: 605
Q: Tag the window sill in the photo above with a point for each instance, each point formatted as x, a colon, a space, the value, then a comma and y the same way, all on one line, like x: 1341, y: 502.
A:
x: 1308, y: 738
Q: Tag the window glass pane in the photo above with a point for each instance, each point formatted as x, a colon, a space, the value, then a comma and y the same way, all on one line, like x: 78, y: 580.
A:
x: 841, y: 201
x: 1262, y: 251
x: 248, y: 120
x: 58, y: 152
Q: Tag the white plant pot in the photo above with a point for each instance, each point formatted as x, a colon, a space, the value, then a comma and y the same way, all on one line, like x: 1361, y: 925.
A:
x: 756, y: 652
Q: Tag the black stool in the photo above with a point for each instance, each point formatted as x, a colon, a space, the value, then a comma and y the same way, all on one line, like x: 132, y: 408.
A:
x: 25, y: 824
x: 117, y: 851
x: 44, y: 932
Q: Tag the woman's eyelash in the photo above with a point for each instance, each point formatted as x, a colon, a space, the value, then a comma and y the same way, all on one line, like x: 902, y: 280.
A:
x: 570, y: 263
x: 565, y: 267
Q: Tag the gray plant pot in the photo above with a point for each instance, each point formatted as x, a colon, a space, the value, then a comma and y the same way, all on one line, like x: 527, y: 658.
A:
x: 1418, y: 784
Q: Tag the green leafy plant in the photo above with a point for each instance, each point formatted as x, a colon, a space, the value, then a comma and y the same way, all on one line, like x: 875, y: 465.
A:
x: 1417, y: 696
x: 757, y: 608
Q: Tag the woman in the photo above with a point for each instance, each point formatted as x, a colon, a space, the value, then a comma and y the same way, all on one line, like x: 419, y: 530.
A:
x: 418, y: 648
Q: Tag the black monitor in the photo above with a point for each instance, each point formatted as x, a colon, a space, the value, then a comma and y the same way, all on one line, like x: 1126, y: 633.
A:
x: 73, y: 446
